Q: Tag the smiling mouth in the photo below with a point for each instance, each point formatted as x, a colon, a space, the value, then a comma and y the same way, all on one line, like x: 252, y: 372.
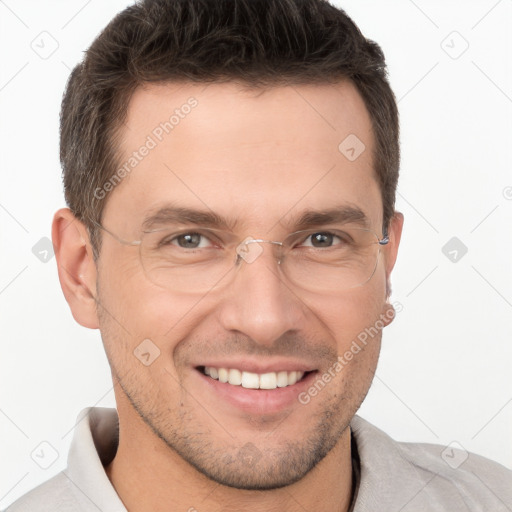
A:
x: 249, y: 380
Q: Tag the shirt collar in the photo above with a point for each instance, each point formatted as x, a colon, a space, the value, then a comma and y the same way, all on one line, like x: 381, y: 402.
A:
x: 94, y: 445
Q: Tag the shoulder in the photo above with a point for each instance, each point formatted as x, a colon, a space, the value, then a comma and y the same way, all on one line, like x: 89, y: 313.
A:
x: 57, y: 493
x: 419, y: 475
x: 84, y: 484
x: 475, y: 479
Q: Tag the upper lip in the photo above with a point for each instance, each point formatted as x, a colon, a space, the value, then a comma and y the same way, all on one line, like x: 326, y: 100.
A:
x: 252, y: 366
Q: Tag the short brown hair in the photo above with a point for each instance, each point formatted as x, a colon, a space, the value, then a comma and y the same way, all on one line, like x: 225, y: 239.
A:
x: 256, y: 42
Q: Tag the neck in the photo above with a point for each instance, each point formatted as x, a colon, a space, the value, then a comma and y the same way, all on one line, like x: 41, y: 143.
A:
x: 150, y: 476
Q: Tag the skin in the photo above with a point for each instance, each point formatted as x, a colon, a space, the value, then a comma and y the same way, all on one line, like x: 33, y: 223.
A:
x: 261, y: 157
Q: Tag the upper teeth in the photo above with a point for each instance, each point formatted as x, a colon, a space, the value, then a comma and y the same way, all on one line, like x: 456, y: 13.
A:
x: 250, y: 380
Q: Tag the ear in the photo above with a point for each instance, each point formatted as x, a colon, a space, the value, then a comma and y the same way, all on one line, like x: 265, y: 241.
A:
x: 76, y: 266
x: 390, y: 254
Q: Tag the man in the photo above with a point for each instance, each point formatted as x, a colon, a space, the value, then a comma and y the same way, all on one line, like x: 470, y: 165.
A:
x: 230, y: 170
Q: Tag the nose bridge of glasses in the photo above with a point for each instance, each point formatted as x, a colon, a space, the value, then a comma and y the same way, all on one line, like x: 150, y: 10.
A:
x: 249, y: 249
x: 260, y: 240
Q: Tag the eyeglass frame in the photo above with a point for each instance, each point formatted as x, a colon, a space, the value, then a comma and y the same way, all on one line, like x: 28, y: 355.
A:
x: 248, y: 240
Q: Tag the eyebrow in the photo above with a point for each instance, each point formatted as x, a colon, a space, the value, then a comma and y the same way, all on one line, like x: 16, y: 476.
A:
x: 182, y: 215
x: 338, y: 215
x: 308, y: 218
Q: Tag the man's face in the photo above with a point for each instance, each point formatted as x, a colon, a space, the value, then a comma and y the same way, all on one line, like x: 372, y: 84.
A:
x: 262, y: 159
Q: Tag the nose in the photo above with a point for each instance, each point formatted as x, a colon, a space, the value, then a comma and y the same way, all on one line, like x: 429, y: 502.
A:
x: 260, y: 302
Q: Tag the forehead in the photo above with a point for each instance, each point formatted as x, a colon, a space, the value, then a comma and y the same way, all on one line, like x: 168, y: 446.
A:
x: 255, y: 154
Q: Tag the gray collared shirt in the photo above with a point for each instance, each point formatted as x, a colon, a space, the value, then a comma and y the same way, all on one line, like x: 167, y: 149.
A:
x: 393, y: 476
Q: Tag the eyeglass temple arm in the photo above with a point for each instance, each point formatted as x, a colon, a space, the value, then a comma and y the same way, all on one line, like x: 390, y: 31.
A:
x: 119, y: 239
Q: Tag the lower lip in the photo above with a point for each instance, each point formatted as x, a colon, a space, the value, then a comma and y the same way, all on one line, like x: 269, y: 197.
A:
x: 258, y: 401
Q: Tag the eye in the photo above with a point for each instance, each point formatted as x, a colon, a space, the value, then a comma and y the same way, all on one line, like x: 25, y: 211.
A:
x: 187, y: 241
x: 322, y: 239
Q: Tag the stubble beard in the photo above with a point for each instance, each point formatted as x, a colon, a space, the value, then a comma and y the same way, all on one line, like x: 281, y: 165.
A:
x: 233, y: 462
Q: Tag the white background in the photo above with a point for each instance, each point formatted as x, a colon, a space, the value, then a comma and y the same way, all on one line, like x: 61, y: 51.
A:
x: 444, y: 373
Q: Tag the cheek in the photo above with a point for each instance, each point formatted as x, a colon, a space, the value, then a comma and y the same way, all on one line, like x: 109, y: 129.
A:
x: 137, y: 310
x: 347, y: 316
x: 138, y: 306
